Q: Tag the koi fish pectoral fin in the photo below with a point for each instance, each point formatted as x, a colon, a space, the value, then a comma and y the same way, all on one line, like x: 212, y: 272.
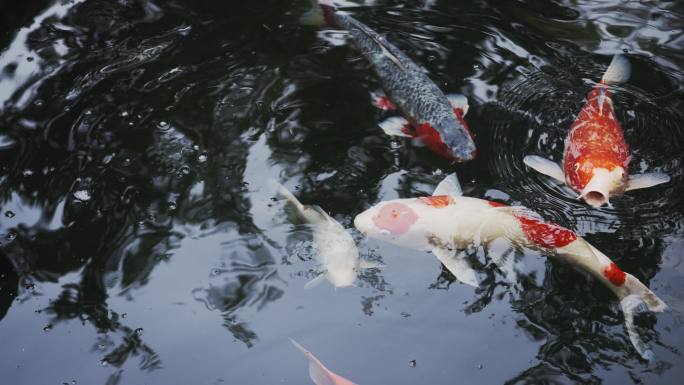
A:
x: 395, y: 126
x: 456, y: 262
x: 315, y: 282
x: 449, y: 186
x: 458, y: 102
x: 381, y: 101
x: 545, y: 167
x: 646, y: 180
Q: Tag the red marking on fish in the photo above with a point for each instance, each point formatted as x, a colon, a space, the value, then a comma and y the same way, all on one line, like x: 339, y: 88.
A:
x: 496, y: 204
x: 432, y: 139
x: 438, y: 201
x: 595, y: 140
x: 329, y: 15
x: 542, y: 233
x: 614, y: 274
x: 397, y: 218
x: 384, y: 103
x: 545, y: 234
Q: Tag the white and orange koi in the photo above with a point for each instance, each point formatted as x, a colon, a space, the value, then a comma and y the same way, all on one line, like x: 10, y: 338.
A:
x: 335, y: 248
x: 596, y: 154
x: 320, y: 375
x: 447, y: 223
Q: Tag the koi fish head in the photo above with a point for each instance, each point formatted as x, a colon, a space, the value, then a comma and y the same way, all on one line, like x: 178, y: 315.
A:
x: 457, y: 140
x: 404, y: 222
x: 602, y: 184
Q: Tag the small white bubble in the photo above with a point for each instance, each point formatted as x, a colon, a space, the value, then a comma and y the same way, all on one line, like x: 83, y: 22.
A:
x: 384, y: 232
x: 202, y: 157
x: 163, y: 125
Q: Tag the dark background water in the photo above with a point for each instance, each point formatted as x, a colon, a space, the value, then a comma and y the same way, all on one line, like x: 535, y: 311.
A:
x: 139, y: 243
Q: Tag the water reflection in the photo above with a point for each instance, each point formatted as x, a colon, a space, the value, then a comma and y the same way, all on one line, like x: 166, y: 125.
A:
x: 135, y: 147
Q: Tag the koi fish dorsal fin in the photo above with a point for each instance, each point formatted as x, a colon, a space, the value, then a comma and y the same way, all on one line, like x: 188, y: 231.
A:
x: 449, y: 186
x: 618, y: 71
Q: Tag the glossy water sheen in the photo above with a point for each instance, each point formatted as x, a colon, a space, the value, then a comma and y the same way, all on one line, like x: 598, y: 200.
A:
x: 140, y: 244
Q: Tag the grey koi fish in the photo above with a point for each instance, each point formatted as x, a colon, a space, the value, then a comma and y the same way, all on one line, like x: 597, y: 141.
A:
x: 428, y: 115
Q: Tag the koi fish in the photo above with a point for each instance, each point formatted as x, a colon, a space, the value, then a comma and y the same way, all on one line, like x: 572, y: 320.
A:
x: 596, y: 154
x: 446, y: 223
x: 319, y: 374
x: 335, y: 248
x: 427, y: 114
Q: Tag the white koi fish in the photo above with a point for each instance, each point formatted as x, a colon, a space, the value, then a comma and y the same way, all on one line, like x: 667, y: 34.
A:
x: 446, y: 223
x: 319, y: 374
x: 596, y: 154
x: 335, y: 248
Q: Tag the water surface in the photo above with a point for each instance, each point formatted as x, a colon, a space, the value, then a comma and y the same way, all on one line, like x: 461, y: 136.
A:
x: 140, y: 243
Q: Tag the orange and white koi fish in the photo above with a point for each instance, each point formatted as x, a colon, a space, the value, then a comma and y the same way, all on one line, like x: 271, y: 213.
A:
x: 319, y: 374
x: 335, y: 248
x: 596, y: 154
x: 448, y: 223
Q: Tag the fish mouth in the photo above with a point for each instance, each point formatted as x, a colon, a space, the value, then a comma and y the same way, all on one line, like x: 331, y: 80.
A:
x: 595, y: 198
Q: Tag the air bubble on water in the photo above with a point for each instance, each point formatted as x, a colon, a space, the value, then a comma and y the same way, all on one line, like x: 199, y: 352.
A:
x: 195, y: 147
x: 163, y: 125
x: 82, y: 195
x: 38, y: 102
x: 29, y: 58
x: 27, y: 172
x: 9, y: 214
x: 384, y: 232
x: 67, y: 108
x: 88, y: 112
x: 47, y: 328
x: 123, y: 114
x: 124, y: 315
x: 171, y: 205
x: 139, y: 331
x: 185, y: 170
x: 431, y: 58
x: 202, y: 157
x: 104, y: 362
x: 11, y: 235
x: 412, y: 364
x: 480, y: 366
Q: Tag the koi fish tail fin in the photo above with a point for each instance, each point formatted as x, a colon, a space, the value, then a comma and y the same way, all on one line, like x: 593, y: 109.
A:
x: 321, y: 14
x: 320, y: 375
x: 297, y: 213
x: 639, y: 299
x: 618, y: 71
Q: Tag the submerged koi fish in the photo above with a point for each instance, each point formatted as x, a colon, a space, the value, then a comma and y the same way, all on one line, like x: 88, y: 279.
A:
x: 319, y: 374
x: 428, y: 114
x: 335, y: 248
x: 447, y: 223
x: 596, y: 155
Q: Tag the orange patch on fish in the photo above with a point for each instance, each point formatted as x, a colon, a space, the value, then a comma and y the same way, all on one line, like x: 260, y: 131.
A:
x: 614, y: 274
x: 545, y: 234
x: 438, y: 200
x: 596, y: 140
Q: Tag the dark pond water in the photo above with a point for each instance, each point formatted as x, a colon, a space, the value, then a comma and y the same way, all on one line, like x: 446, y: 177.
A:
x: 139, y: 243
